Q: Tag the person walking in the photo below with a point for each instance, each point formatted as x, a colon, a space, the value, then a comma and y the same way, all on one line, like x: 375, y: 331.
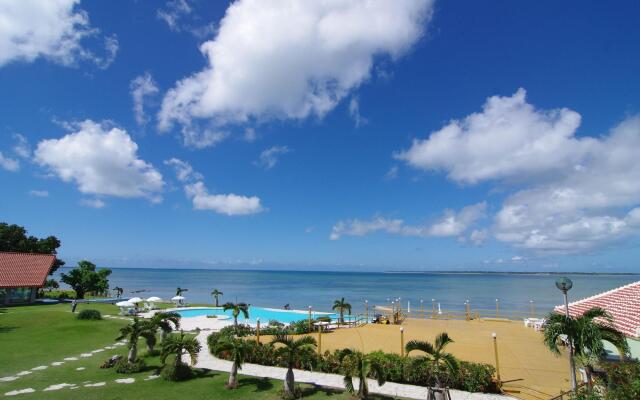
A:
x: 74, y: 304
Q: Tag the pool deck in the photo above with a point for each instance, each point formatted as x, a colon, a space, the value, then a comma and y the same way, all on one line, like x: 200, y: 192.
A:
x: 521, y: 351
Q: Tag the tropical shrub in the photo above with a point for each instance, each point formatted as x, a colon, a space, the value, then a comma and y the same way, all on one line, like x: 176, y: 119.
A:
x: 622, y: 380
x: 180, y: 372
x: 123, y: 366
x: 89, y: 314
x: 474, y: 377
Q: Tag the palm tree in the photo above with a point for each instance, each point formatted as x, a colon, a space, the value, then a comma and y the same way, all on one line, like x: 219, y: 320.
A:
x: 586, y: 334
x: 216, y: 293
x: 178, y: 344
x: 163, y: 321
x: 180, y: 290
x: 135, y: 331
x: 341, y: 306
x: 238, y: 349
x: 438, y: 360
x: 291, y: 350
x: 237, y: 308
x: 363, y: 365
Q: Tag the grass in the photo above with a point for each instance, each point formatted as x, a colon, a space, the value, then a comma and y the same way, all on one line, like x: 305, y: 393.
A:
x: 31, y: 336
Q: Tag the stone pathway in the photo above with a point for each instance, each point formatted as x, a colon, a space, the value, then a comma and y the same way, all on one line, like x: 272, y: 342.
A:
x: 59, y: 363
x: 206, y: 360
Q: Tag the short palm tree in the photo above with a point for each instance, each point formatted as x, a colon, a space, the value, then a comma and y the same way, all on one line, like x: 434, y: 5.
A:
x: 292, y: 350
x: 586, y: 333
x: 134, y: 331
x: 179, y: 344
x: 216, y: 294
x: 237, y: 308
x: 362, y: 366
x: 438, y: 360
x: 164, y: 320
x: 238, y: 349
x: 180, y: 290
x: 341, y: 306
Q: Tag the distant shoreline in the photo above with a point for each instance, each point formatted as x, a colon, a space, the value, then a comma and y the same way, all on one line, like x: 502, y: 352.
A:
x: 381, y: 272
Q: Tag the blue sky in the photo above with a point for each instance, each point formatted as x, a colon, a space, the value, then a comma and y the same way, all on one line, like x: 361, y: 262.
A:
x: 409, y: 134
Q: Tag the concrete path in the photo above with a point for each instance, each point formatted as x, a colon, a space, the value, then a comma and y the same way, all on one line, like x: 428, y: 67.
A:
x: 206, y: 360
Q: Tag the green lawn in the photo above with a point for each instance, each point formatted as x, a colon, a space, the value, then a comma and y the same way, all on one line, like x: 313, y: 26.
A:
x: 32, y: 336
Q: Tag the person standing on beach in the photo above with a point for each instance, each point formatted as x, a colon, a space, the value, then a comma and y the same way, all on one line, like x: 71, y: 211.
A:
x: 74, y: 304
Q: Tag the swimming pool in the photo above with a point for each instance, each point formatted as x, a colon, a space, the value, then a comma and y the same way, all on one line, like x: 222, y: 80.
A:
x: 265, y: 314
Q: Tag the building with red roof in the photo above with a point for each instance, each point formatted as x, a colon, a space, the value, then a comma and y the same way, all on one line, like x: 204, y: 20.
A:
x: 622, y: 303
x: 22, y: 274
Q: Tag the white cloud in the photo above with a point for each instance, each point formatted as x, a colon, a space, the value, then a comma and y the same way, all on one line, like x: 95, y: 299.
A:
x: 479, y: 236
x: 454, y: 224
x: 184, y: 170
x: 92, y: 203
x: 250, y: 135
x: 571, y: 193
x: 174, y: 11
x: 289, y: 60
x: 354, y: 111
x: 51, y: 29
x: 450, y: 224
x: 22, y: 147
x: 38, y: 193
x: 142, y: 86
x: 9, y: 164
x: 509, y: 139
x: 100, y: 160
x: 269, y: 157
x: 197, y: 192
x: 229, y: 204
x: 392, y: 173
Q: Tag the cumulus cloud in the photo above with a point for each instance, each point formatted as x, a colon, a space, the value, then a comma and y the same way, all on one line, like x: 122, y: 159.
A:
x: 269, y: 157
x: 450, y: 224
x: 141, y: 87
x: 594, y: 203
x: 100, y: 160
x: 51, y: 29
x: 197, y: 192
x: 256, y: 70
x: 509, y: 139
x: 392, y: 173
x: 570, y: 193
x: 8, y: 163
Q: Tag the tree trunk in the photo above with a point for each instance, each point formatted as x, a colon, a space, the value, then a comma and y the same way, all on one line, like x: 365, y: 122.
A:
x: 341, y: 316
x: 217, y: 302
x: 589, y: 371
x: 289, y: 383
x: 149, y: 347
x: 233, y: 377
x: 79, y: 293
x: 133, y: 353
x: 163, y: 335
x: 363, y: 390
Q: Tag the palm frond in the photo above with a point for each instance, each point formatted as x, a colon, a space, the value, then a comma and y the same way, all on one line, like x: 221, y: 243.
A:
x: 419, y: 345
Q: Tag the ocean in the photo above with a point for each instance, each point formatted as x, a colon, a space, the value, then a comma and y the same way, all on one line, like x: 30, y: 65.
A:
x: 319, y: 289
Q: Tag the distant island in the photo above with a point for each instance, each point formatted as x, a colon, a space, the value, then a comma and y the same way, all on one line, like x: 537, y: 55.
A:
x: 513, y: 273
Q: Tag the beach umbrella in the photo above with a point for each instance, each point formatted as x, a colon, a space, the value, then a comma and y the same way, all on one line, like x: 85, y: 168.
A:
x: 125, y: 304
x: 135, y: 300
x: 154, y: 299
x: 177, y: 298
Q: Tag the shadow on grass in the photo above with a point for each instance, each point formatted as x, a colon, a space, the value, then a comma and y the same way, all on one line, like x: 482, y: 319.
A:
x: 7, y: 329
x: 261, y: 384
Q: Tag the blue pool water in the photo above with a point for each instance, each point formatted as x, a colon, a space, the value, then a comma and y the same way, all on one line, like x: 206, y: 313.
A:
x: 265, y: 314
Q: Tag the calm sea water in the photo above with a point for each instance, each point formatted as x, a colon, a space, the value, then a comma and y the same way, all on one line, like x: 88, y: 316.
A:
x: 320, y: 289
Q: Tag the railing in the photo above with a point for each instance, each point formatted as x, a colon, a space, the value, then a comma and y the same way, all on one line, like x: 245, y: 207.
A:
x: 567, y: 395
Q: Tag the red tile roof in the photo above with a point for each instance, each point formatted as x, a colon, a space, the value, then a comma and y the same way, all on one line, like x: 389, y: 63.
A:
x: 24, y: 269
x: 622, y: 303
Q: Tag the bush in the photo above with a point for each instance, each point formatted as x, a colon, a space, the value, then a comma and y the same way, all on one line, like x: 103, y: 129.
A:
x: 182, y: 372
x: 89, y: 314
x: 474, y: 377
x: 59, y: 294
x: 123, y: 366
x: 622, y: 380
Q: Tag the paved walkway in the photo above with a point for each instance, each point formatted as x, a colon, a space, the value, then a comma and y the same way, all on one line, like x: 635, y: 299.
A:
x: 206, y: 360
